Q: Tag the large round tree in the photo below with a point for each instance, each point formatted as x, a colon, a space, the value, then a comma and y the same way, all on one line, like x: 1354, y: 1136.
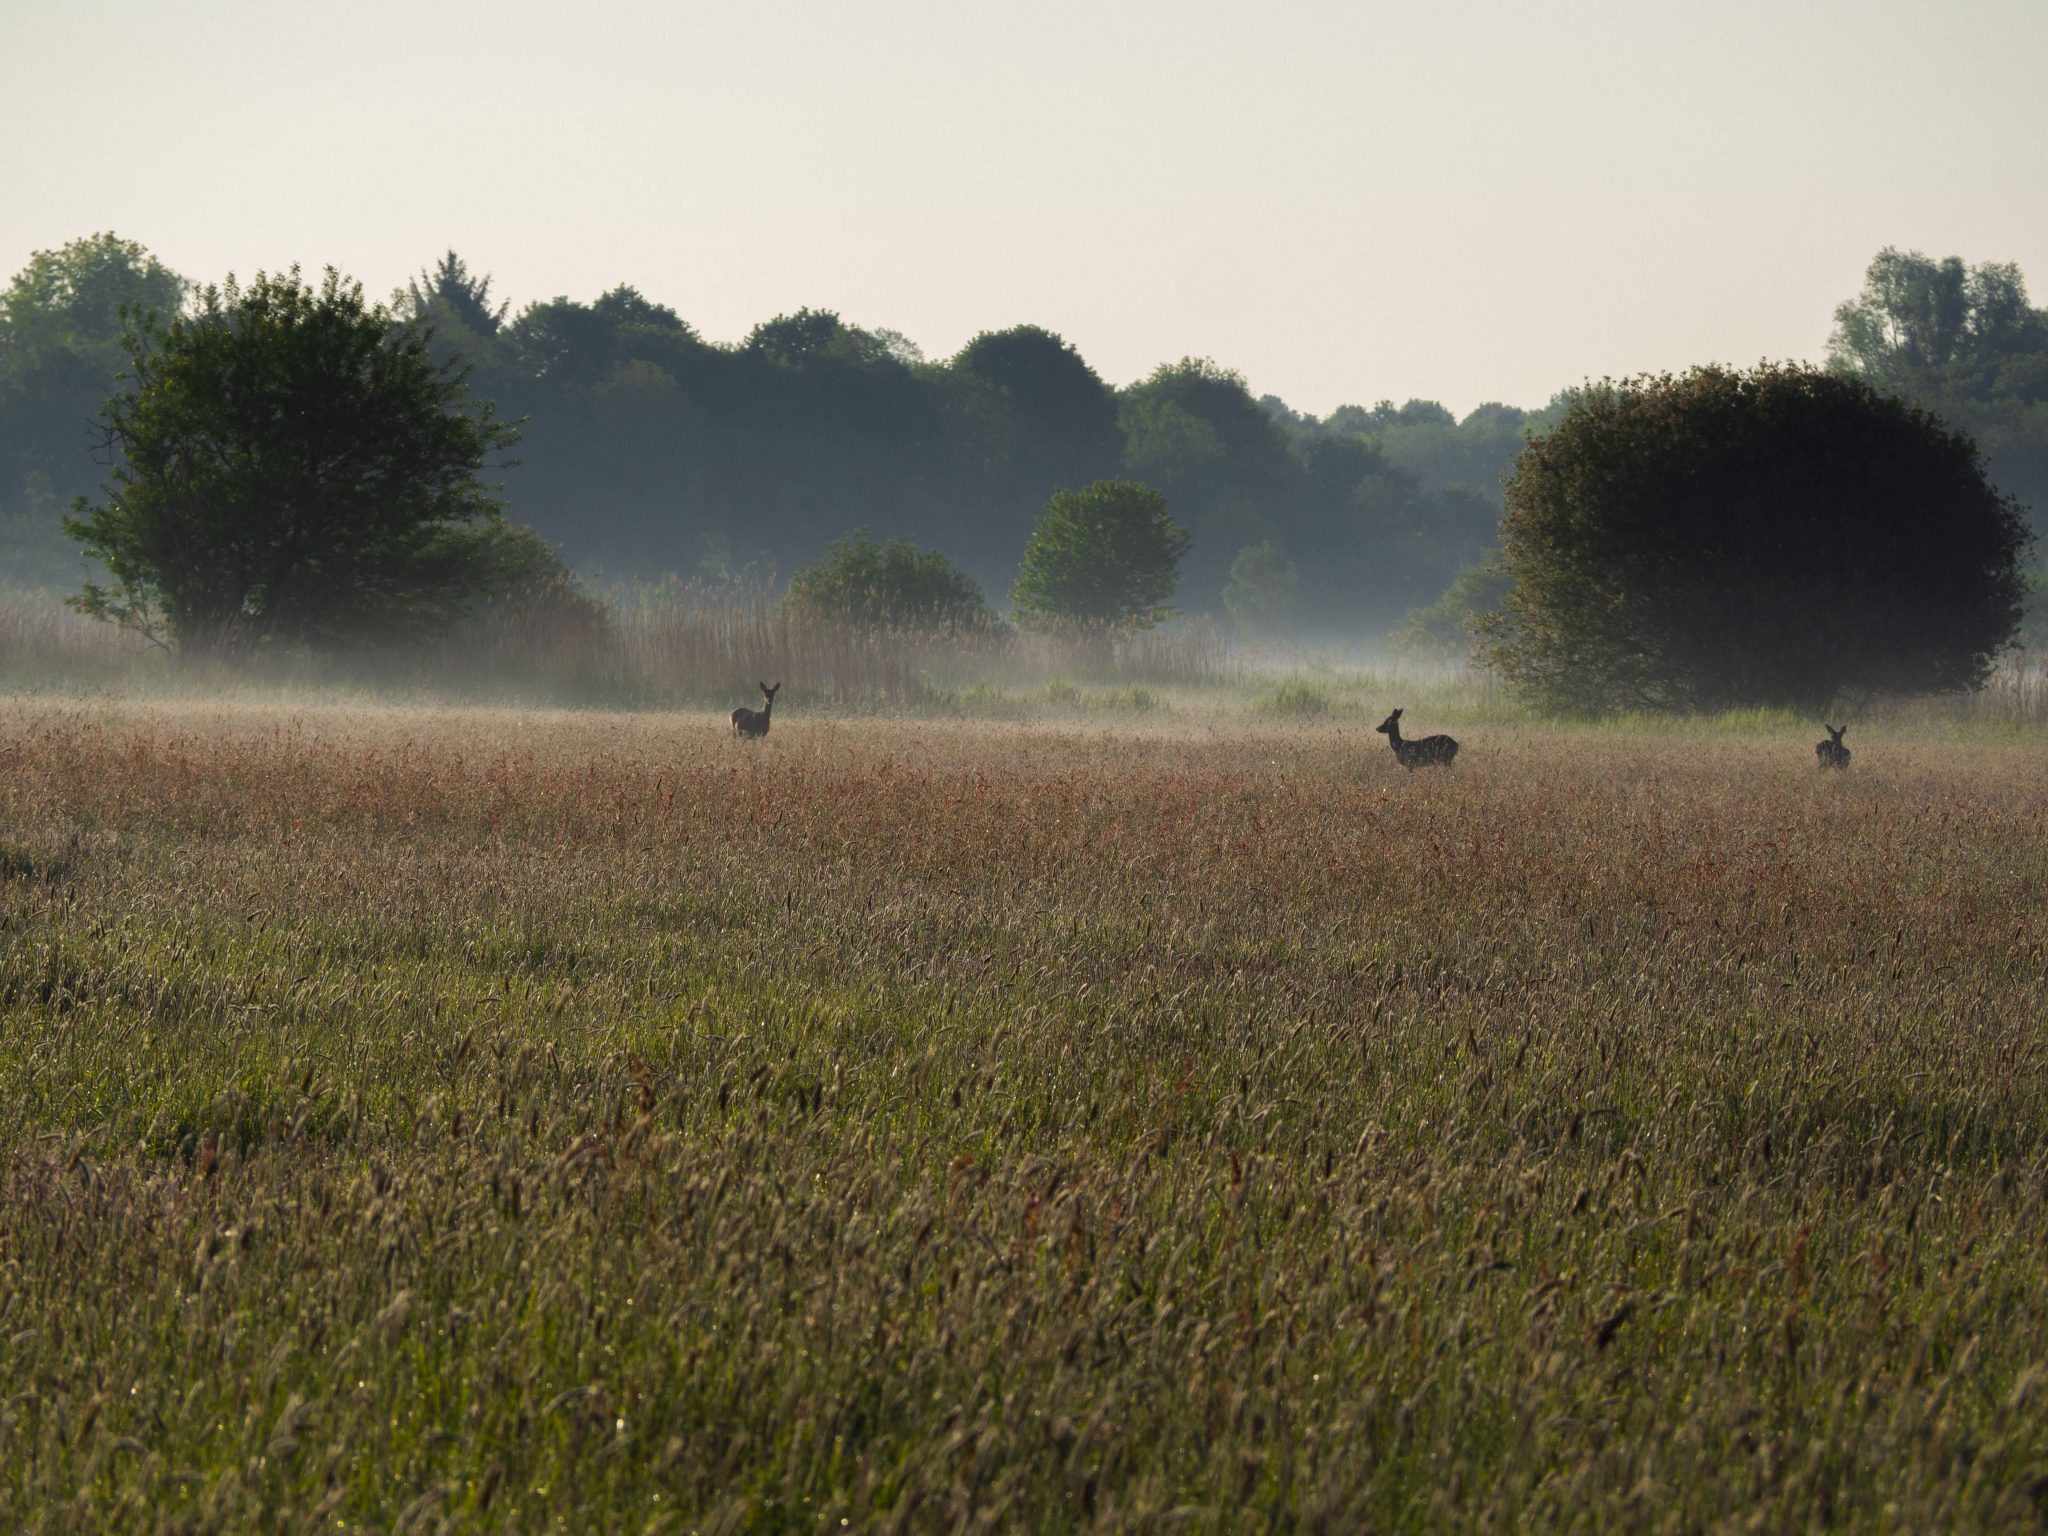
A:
x: 1775, y: 536
x: 291, y: 464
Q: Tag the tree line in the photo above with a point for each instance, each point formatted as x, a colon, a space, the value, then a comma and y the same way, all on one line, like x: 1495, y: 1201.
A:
x: 291, y: 464
x: 648, y: 450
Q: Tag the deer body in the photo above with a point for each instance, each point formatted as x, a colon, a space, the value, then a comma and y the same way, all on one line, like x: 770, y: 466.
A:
x: 1429, y: 752
x: 1831, y: 753
x: 754, y: 722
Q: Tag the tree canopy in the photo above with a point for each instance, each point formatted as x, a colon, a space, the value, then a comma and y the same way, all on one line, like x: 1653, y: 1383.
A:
x: 1777, y: 536
x: 1964, y: 341
x: 1105, y: 554
x: 1263, y: 587
x: 450, y: 290
x: 74, y: 298
x: 291, y: 465
x: 650, y: 449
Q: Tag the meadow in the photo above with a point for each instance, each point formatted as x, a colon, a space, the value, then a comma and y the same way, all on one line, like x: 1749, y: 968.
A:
x: 1121, y: 1118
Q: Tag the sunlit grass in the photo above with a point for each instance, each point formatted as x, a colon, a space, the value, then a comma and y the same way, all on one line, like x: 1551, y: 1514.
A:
x: 1102, y: 1119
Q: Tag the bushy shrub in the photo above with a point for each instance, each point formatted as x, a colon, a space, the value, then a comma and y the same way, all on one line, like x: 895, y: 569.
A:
x: 896, y: 584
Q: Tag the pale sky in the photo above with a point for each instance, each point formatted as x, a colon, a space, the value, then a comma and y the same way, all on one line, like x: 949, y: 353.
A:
x: 1463, y: 200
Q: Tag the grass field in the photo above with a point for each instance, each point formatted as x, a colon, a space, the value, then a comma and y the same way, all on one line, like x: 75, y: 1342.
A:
x: 1181, y: 1120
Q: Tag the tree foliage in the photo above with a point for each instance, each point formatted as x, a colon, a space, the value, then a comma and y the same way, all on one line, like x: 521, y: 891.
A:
x: 60, y: 350
x: 894, y: 584
x: 1965, y: 342
x: 1264, y: 585
x: 1105, y: 554
x: 291, y: 465
x: 1919, y: 321
x: 650, y: 449
x: 73, y: 299
x: 450, y: 289
x: 1448, y: 626
x: 1774, y: 537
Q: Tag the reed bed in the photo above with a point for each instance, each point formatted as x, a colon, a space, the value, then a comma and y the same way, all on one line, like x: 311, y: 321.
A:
x: 497, y: 1121
x: 654, y: 647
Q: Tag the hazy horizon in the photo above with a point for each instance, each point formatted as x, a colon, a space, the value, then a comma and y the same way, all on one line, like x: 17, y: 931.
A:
x: 1475, y: 203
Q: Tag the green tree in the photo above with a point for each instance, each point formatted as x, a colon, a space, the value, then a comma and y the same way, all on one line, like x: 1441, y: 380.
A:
x: 1770, y: 537
x: 291, y: 466
x: 1263, y: 585
x: 1105, y: 554
x: 865, y: 582
x: 73, y: 299
x: 1965, y: 342
x: 1067, y: 415
x: 814, y: 336
x: 1926, y: 328
x: 465, y: 298
x: 60, y: 353
x: 1449, y: 624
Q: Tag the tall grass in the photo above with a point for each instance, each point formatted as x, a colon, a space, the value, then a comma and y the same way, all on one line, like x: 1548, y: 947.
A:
x: 510, y: 1121
x: 649, y: 646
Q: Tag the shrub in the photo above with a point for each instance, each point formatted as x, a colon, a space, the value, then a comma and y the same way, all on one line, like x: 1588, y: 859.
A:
x: 893, y: 585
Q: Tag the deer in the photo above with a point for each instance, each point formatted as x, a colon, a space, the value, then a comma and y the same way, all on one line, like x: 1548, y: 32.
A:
x: 754, y: 722
x: 1429, y: 752
x: 1831, y: 753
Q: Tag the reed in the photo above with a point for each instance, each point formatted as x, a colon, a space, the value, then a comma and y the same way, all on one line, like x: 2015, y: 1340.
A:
x: 663, y: 646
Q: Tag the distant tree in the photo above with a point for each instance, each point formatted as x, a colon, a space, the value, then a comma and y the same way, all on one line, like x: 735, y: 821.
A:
x: 1066, y: 412
x: 899, y: 347
x: 792, y: 339
x: 578, y: 346
x: 894, y: 584
x: 1194, y: 429
x: 1442, y: 454
x: 1924, y: 328
x: 1351, y: 420
x: 813, y: 336
x: 625, y: 308
x: 74, y: 298
x: 466, y: 298
x: 292, y: 466
x: 1425, y: 413
x: 1260, y: 598
x: 60, y: 352
x: 1169, y: 442
x: 35, y: 552
x: 1290, y: 421
x: 1965, y: 342
x: 1105, y: 554
x: 1770, y: 537
x: 1450, y: 624
x: 1196, y: 418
